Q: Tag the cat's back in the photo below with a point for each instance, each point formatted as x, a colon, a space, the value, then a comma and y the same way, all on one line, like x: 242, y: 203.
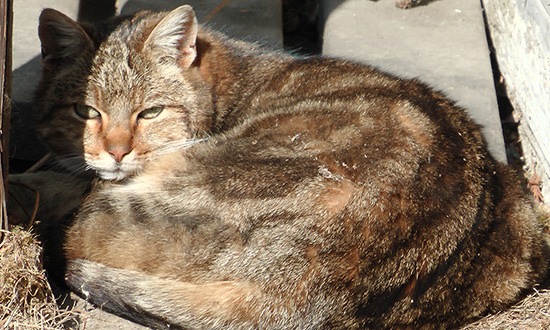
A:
x: 343, y: 87
x: 404, y: 173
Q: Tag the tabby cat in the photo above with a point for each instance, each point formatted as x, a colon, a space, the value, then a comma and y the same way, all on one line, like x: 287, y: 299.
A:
x: 246, y: 189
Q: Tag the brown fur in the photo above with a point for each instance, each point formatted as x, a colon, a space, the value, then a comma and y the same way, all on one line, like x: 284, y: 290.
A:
x: 318, y: 193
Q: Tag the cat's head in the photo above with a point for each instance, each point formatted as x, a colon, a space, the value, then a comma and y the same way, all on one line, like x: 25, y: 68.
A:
x: 113, y: 99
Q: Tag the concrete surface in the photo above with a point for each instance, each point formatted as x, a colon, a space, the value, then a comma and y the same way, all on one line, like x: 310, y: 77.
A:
x: 442, y: 42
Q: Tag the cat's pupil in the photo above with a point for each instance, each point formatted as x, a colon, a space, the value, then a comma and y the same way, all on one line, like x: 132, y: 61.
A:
x: 86, y: 111
x: 151, y: 112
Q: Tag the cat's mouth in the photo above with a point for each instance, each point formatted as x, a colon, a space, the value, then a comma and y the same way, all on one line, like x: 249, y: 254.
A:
x: 108, y: 169
x: 115, y: 171
x: 114, y: 175
x: 118, y: 171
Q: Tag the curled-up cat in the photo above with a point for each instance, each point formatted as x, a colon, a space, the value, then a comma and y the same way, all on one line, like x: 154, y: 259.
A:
x: 246, y: 189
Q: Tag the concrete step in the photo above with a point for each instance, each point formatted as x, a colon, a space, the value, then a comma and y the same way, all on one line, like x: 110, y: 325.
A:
x: 442, y: 43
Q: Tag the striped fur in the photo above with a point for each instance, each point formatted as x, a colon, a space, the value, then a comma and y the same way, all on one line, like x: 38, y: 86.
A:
x: 275, y: 192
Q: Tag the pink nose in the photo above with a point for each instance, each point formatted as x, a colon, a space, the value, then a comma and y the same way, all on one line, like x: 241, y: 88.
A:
x: 118, y: 151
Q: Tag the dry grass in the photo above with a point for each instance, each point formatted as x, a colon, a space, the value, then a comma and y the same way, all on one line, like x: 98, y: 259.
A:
x: 26, y: 299
x: 532, y: 313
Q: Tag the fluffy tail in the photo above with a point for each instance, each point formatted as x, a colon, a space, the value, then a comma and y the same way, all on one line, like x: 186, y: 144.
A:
x: 162, y: 303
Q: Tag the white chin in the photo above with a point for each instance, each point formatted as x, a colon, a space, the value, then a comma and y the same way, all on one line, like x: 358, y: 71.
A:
x: 113, y: 175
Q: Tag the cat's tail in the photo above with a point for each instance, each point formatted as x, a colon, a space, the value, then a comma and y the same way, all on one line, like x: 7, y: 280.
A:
x: 162, y: 303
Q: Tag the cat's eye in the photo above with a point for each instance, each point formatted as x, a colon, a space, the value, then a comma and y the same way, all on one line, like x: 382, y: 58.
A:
x: 150, y: 113
x: 86, y: 111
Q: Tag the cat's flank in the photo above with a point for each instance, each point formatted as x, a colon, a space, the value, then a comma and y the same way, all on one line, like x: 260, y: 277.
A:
x: 246, y: 189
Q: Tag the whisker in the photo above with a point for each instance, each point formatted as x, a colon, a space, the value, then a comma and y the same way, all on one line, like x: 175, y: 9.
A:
x: 175, y: 146
x: 72, y: 164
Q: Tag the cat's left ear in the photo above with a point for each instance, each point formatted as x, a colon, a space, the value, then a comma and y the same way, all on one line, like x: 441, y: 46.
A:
x: 175, y: 36
x: 61, y: 37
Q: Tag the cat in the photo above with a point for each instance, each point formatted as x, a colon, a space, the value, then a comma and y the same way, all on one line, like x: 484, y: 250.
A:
x: 241, y: 188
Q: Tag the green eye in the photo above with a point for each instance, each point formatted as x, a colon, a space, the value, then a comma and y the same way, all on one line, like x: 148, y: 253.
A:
x: 86, y: 111
x: 151, y: 112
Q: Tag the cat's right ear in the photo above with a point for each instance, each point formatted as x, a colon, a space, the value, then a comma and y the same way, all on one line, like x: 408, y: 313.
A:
x: 175, y: 37
x: 61, y: 37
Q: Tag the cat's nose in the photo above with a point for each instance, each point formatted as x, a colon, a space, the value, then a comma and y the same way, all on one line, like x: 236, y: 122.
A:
x: 118, y: 151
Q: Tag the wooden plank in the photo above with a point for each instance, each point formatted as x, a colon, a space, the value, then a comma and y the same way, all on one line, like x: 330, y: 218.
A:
x: 5, y: 89
x: 520, y: 30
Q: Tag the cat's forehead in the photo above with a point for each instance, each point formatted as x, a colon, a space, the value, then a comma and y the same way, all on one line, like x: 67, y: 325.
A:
x: 115, y: 76
x: 119, y: 57
x: 136, y: 29
x: 124, y: 75
x: 130, y: 33
x: 115, y: 62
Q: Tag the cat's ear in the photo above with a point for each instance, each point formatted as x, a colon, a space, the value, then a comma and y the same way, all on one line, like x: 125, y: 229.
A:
x: 61, y: 37
x: 175, y: 36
